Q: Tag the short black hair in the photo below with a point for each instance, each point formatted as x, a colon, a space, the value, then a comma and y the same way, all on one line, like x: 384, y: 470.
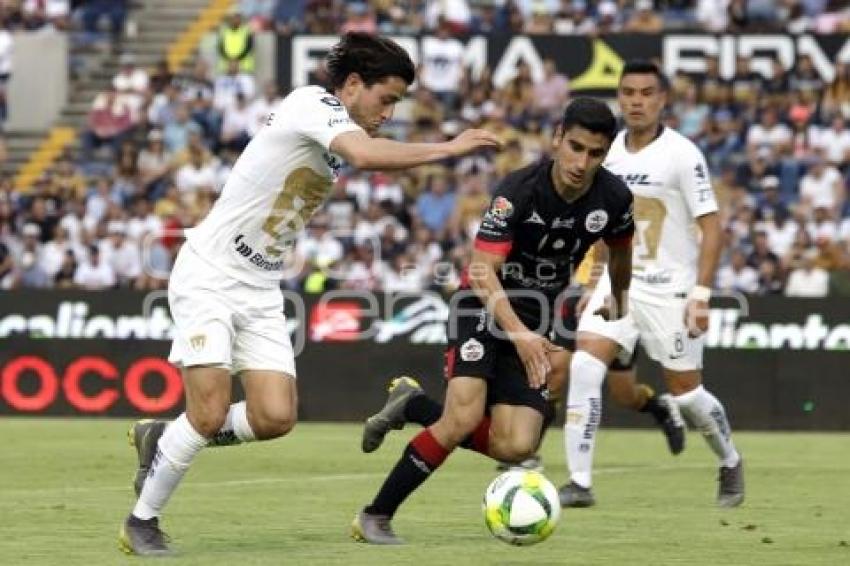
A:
x: 590, y: 114
x: 373, y: 57
x: 644, y: 67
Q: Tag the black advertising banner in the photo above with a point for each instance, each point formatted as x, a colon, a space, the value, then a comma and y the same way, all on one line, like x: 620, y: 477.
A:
x: 592, y: 64
x: 777, y: 363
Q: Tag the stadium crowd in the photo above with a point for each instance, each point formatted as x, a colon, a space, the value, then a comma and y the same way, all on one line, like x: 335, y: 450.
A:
x: 158, y: 147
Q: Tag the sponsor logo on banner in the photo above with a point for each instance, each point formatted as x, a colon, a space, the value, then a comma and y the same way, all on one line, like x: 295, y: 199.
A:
x: 335, y: 322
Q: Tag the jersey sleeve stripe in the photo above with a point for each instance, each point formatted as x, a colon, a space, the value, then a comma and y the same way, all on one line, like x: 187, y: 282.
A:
x: 496, y: 248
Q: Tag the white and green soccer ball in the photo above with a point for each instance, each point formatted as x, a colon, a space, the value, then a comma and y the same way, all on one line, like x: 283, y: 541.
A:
x: 521, y: 507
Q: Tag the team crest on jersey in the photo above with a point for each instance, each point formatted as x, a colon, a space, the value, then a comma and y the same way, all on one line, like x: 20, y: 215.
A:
x: 502, y: 208
x: 472, y: 350
x: 596, y: 221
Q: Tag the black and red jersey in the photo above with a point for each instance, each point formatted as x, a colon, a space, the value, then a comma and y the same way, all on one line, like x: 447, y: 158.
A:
x: 542, y: 236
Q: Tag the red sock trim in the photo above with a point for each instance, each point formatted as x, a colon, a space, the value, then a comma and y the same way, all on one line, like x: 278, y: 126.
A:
x: 431, y: 451
x: 481, y: 437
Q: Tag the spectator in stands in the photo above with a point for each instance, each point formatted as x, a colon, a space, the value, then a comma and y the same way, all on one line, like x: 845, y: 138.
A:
x: 644, y: 19
x: 359, y: 17
x: 110, y: 121
x: 837, y: 96
x: 163, y: 106
x: 55, y: 13
x: 177, y: 133
x: 609, y: 19
x: 196, y: 176
x: 93, y: 274
x: 575, y: 20
x: 131, y: 83
x: 64, y: 278
x: 737, y: 276
x: 442, y: 67
x: 401, y: 274
x: 436, y: 204
x: 257, y: 12
x: 235, y: 44
x: 54, y: 251
x: 7, y: 268
x: 288, y: 16
x: 770, y: 279
x: 31, y: 275
x: 236, y: 126
x: 456, y: 14
x: 230, y: 85
x: 122, y: 254
x: 318, y: 246
x: 769, y: 132
x: 262, y: 107
x: 805, y: 78
x: 713, y: 15
x: 822, y: 185
x: 761, y: 251
x: 552, y: 92
x: 154, y: 165
x: 835, y: 142
x: 808, y: 280
x: 114, y: 10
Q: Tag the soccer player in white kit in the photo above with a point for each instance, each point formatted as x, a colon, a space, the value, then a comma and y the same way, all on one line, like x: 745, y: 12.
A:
x: 667, y: 304
x: 224, y: 290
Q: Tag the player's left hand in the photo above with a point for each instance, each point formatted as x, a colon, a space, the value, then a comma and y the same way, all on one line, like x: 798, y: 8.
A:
x: 696, y: 318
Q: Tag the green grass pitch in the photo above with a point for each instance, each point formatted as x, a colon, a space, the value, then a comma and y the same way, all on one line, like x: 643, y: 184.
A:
x: 65, y: 488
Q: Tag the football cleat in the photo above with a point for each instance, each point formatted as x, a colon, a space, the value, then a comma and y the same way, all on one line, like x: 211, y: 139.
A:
x: 144, y: 436
x: 373, y: 529
x: 143, y: 538
x: 573, y: 495
x: 674, y: 425
x: 533, y: 464
x: 391, y: 416
x: 731, y: 489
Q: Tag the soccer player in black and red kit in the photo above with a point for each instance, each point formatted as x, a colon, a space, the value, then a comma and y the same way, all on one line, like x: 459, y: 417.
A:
x: 541, y: 222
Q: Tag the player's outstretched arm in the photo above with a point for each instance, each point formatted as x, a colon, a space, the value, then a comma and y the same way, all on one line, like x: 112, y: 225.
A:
x: 696, y: 313
x: 620, y: 272
x: 532, y: 348
x: 365, y: 152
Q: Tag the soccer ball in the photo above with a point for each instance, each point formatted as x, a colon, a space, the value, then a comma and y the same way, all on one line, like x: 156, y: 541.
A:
x: 521, y: 507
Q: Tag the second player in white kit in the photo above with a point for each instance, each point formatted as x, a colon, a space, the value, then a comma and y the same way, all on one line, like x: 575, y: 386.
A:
x: 676, y: 249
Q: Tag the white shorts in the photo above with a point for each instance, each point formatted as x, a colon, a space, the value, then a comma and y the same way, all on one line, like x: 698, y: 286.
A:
x: 659, y: 326
x: 222, y: 321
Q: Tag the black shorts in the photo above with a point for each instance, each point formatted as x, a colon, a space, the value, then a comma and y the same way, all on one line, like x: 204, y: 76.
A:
x: 473, y: 351
x: 564, y: 334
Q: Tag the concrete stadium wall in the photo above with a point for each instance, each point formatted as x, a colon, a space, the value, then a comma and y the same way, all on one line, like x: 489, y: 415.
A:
x: 38, y: 89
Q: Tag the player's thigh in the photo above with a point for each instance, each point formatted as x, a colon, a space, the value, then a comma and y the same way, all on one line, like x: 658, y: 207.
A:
x: 201, y: 305
x: 665, y: 337
x: 262, y: 341
x: 602, y: 338
x: 514, y: 430
x: 271, y: 399
x: 207, y: 390
x: 680, y: 382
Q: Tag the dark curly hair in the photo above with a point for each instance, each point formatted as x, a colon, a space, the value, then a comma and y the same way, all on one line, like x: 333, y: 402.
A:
x: 372, y: 57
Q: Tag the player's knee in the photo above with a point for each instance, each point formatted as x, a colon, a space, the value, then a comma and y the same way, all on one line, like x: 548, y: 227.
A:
x: 271, y: 422
x: 515, y: 449
x: 457, y: 425
x: 207, y: 421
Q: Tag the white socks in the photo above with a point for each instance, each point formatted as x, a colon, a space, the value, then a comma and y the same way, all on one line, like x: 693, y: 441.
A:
x: 236, y: 429
x: 704, y: 411
x: 584, y: 413
x: 177, y: 447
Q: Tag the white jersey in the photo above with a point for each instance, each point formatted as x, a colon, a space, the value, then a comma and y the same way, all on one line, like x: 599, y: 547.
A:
x: 281, y: 179
x: 671, y: 185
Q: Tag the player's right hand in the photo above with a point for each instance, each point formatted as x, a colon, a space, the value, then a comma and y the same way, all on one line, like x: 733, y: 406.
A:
x: 533, y: 350
x: 473, y: 140
x: 610, y: 310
